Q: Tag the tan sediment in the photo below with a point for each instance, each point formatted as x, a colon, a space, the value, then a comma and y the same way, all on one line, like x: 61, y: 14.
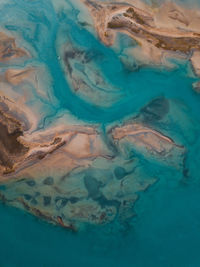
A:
x: 16, y: 76
x: 144, y: 136
x: 60, y: 148
x: 135, y: 129
x: 56, y: 152
x: 74, y: 149
x: 160, y: 31
x: 8, y: 48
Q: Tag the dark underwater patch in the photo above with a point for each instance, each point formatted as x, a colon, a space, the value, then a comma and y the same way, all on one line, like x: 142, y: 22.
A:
x: 31, y: 183
x: 92, y: 185
x: 155, y: 110
x: 61, y: 202
x: 48, y: 181
x: 120, y: 172
x: 46, y: 200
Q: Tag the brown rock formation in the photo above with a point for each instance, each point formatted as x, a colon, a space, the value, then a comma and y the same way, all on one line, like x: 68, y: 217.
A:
x: 8, y: 48
x: 11, y: 150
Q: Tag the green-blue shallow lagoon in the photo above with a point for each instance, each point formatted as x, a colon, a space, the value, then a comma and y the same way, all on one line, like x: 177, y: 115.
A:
x: 165, y: 227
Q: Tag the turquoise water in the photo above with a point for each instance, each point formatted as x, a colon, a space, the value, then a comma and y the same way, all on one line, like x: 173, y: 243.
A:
x: 165, y: 231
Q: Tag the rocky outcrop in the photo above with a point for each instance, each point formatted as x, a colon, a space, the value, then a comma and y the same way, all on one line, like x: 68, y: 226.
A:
x: 12, y: 151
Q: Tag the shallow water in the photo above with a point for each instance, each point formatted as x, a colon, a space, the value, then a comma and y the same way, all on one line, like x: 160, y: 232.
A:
x: 165, y: 231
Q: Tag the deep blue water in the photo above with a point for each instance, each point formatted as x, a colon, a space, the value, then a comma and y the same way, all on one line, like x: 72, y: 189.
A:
x: 166, y: 230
